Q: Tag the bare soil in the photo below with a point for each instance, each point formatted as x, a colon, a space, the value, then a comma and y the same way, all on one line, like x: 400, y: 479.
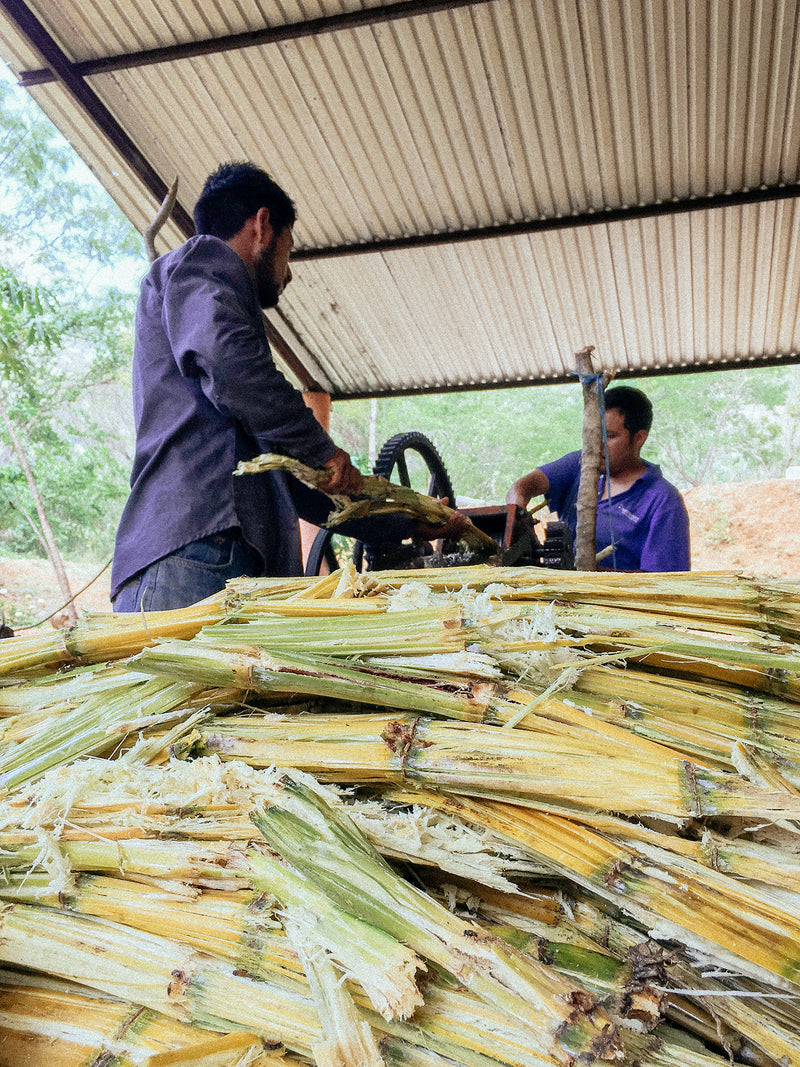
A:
x: 29, y: 592
x: 747, y: 526
x: 752, y: 527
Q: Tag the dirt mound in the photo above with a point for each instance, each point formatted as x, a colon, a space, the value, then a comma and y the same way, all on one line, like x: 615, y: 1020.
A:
x: 750, y: 526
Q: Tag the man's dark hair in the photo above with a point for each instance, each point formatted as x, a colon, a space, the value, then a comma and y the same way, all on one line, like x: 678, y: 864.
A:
x: 636, y: 409
x: 233, y: 194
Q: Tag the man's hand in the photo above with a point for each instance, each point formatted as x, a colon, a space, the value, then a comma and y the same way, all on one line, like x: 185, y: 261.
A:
x: 345, y: 478
x: 535, y: 483
x: 448, y: 531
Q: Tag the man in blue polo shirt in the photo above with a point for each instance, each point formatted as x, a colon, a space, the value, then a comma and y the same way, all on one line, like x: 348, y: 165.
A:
x: 643, y: 516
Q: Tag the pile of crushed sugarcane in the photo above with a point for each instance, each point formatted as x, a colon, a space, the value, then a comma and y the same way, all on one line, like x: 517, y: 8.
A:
x: 470, y: 816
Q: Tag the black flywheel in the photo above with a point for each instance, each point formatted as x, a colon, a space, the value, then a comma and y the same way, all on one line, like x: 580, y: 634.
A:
x: 409, y: 459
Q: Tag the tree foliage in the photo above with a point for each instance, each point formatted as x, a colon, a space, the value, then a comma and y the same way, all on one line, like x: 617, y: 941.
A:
x: 721, y: 426
x: 65, y: 337
x: 55, y: 222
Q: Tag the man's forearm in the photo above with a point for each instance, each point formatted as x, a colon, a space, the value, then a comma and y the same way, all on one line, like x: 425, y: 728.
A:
x: 535, y: 483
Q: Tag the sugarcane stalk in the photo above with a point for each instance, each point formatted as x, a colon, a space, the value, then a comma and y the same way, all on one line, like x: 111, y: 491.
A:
x: 234, y: 1049
x: 563, y: 1021
x: 89, y: 728
x: 560, y: 729
x: 98, y: 801
x: 62, y: 1024
x: 349, y: 1039
x: 730, y: 921
x: 100, y: 638
x: 566, y: 767
x: 156, y: 972
x: 208, y: 864
x: 742, y: 1025
x: 425, y: 632
x: 238, y: 926
x: 378, y: 497
x: 259, y: 672
x: 703, y: 720
x: 383, y: 966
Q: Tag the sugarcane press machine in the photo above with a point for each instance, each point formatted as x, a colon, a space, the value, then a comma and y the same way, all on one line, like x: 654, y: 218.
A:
x: 521, y: 539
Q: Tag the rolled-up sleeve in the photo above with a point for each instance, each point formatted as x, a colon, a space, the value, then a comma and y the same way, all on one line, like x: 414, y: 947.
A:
x: 216, y: 331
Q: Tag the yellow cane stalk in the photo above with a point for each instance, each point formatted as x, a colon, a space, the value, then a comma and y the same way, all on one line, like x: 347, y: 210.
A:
x: 562, y: 1020
x: 728, y: 919
x: 571, y: 765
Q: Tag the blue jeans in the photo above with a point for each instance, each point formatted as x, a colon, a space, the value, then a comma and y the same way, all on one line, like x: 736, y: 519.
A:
x: 189, y: 574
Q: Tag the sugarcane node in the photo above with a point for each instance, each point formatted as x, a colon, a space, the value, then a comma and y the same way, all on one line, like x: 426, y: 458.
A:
x: 544, y: 951
x: 178, y: 986
x: 649, y: 961
x: 643, y: 1007
x: 398, y: 735
x: 605, y: 1046
x: 613, y: 877
x: 694, y: 786
x: 581, y: 1001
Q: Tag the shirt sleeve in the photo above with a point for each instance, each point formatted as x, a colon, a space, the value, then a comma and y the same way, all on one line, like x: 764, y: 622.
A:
x: 216, y: 331
x: 562, y: 475
x: 667, y: 545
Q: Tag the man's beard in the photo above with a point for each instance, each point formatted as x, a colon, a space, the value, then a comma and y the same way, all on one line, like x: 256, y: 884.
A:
x: 269, y: 290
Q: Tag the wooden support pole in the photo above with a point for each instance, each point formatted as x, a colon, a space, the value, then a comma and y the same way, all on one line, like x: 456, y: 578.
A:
x: 591, y: 465
x: 592, y: 462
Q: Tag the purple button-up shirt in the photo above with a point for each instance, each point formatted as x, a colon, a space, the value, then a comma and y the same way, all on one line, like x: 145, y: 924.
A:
x: 649, y: 520
x: 206, y: 393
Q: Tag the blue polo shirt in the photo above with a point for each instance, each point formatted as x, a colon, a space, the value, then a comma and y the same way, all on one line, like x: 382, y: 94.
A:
x: 649, y: 520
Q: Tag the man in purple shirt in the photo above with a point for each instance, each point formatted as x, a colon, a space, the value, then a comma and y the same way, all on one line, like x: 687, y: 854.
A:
x: 643, y: 516
x: 207, y: 394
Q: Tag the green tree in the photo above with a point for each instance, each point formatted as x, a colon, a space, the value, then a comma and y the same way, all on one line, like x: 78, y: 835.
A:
x: 65, y: 340
x: 57, y: 226
x: 27, y: 332
x: 722, y: 426
x: 487, y: 439
x: 736, y: 425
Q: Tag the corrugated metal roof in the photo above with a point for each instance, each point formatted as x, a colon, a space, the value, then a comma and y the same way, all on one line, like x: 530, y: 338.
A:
x: 483, y: 188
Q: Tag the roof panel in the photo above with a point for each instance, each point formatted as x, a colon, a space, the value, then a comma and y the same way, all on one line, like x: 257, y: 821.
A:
x: 625, y: 288
x: 497, y: 115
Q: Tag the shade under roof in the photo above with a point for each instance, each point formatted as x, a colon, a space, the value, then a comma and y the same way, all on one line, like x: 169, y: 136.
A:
x: 483, y: 188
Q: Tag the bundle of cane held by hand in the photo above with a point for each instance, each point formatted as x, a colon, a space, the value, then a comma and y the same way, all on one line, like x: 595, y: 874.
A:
x: 378, y: 497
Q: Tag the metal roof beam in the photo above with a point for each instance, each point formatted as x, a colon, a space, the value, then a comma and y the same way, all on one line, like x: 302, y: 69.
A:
x: 402, y: 9
x: 599, y: 217
x: 62, y: 70
x: 748, y: 363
